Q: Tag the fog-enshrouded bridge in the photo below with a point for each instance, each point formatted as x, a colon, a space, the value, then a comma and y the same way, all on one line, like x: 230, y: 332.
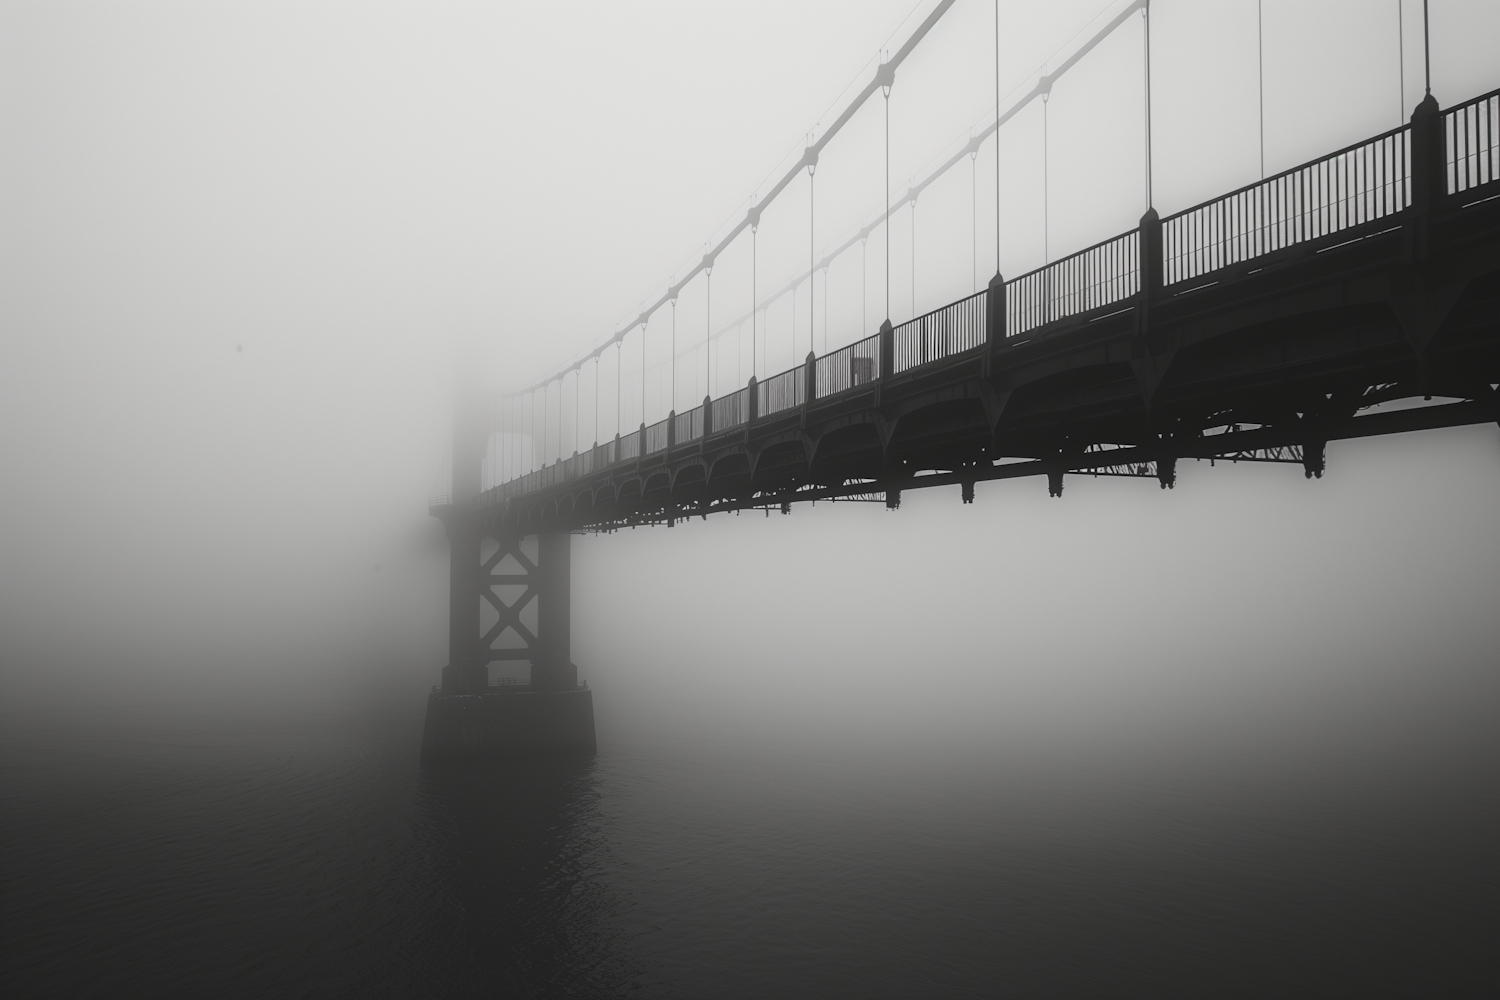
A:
x: 1354, y: 295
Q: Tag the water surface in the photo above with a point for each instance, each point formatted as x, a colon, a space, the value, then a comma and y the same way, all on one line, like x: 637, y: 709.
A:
x: 311, y: 856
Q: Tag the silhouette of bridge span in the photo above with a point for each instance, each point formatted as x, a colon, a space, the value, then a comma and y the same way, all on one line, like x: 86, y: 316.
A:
x: 1257, y: 326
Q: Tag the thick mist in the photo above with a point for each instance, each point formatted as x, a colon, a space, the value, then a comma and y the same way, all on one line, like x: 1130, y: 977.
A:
x: 246, y: 249
x: 1248, y: 607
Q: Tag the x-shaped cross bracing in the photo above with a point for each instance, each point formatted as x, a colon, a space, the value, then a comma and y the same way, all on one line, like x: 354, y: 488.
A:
x: 510, y: 614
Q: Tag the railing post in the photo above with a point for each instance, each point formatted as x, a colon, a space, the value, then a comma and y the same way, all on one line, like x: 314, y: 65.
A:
x: 671, y: 430
x: 810, y: 375
x: 887, y: 350
x: 1150, y: 265
x: 752, y: 402
x: 994, y: 312
x: 708, y: 415
x: 1429, y: 176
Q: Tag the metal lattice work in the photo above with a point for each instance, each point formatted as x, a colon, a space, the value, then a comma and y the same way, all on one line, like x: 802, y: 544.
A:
x: 1135, y: 470
x: 1290, y: 454
x: 508, y: 615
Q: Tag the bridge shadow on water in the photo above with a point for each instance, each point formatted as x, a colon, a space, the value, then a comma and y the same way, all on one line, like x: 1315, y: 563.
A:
x: 516, y: 853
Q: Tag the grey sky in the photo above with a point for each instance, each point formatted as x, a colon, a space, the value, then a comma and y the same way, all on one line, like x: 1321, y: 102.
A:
x: 243, y: 247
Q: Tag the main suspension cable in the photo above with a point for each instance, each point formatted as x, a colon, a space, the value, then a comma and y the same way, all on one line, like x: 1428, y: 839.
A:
x: 882, y: 80
x: 886, y: 70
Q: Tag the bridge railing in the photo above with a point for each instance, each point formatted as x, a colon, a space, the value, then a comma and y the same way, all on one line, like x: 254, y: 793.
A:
x: 690, y: 425
x: 731, y: 410
x: 1471, y: 140
x: 1360, y: 184
x: 656, y: 437
x: 781, y: 392
x: 630, y: 446
x: 1102, y: 275
x: 942, y: 333
x: 847, y: 368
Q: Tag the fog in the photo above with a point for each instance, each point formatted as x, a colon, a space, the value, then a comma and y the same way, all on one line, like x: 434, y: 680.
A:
x: 245, y: 251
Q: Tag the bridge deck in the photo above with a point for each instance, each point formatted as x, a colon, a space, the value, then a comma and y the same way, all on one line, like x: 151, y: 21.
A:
x: 1262, y: 324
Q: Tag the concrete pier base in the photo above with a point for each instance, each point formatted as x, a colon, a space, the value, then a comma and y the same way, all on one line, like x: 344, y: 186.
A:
x: 508, y: 722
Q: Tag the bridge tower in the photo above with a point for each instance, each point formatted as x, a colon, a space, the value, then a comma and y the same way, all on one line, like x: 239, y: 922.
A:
x: 468, y: 717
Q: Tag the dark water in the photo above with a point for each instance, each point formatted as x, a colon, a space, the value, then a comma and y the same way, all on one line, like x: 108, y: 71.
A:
x: 314, y: 858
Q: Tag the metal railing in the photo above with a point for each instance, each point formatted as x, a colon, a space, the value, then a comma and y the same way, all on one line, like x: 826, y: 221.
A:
x: 1471, y: 143
x: 781, y: 392
x: 731, y: 410
x: 1360, y: 184
x: 1102, y: 275
x: 942, y: 333
x: 630, y: 446
x: 656, y: 437
x: 433, y: 503
x: 848, y: 367
x: 690, y: 425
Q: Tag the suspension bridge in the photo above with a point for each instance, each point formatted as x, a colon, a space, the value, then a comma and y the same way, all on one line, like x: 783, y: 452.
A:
x: 1353, y: 295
